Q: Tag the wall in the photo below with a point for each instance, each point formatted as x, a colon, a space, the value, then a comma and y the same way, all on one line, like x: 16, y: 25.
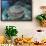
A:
x: 26, y: 27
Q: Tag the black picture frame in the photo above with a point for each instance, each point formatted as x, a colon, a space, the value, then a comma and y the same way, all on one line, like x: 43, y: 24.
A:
x: 18, y: 19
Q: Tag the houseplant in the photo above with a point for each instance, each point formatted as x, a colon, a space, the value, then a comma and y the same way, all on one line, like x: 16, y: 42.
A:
x: 42, y: 19
x: 11, y: 31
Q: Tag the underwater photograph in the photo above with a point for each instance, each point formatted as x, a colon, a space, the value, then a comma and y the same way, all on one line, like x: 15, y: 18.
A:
x: 16, y: 10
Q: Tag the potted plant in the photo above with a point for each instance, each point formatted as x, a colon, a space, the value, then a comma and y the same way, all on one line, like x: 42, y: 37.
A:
x: 10, y: 32
x: 42, y: 17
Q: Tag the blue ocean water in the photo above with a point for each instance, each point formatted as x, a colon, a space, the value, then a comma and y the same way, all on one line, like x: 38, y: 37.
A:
x: 27, y: 12
x: 5, y: 4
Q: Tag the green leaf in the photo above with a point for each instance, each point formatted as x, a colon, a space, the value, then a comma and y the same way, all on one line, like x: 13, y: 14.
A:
x: 40, y: 18
x: 45, y: 17
x: 10, y: 31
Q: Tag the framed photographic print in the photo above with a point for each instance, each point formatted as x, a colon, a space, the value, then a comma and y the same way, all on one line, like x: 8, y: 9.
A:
x: 16, y: 10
